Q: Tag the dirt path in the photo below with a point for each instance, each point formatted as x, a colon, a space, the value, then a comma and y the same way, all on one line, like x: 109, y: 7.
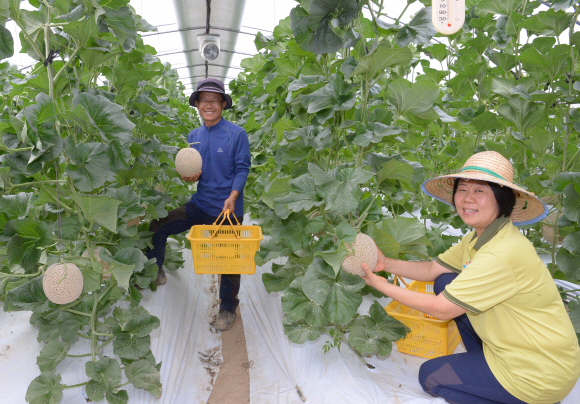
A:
x: 232, y: 385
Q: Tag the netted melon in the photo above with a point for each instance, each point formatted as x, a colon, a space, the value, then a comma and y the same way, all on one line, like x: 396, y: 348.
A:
x: 362, y: 250
x: 548, y: 228
x: 62, y: 283
x: 188, y: 162
x: 96, y: 251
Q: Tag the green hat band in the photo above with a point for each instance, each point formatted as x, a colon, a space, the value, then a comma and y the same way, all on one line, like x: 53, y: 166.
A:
x: 483, y: 170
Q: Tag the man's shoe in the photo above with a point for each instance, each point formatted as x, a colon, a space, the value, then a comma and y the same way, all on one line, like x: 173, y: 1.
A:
x: 225, y: 320
x: 161, y: 278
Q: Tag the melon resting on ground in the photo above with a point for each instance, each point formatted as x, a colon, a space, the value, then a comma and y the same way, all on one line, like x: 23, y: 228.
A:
x: 188, y: 162
x: 362, y: 250
x: 96, y: 251
x: 62, y: 283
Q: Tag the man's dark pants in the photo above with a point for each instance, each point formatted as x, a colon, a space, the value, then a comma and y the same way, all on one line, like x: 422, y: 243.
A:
x: 180, y: 220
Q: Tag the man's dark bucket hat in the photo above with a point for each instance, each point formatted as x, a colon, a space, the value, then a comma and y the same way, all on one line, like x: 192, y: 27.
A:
x: 210, y: 85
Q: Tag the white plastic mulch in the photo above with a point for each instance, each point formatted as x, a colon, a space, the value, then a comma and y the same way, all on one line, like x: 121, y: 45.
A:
x: 281, y: 372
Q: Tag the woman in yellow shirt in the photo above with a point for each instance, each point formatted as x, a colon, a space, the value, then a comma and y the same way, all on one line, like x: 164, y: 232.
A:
x: 521, y: 345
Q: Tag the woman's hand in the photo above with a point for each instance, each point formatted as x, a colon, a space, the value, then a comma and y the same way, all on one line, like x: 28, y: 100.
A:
x: 191, y: 178
x: 381, y: 261
x: 370, y: 278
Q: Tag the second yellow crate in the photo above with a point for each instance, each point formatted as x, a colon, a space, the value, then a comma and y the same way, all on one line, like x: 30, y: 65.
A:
x: 229, y: 249
x: 429, y: 337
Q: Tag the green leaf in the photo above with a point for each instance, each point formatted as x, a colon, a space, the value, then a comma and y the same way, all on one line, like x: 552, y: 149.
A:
x: 51, y: 355
x: 572, y: 242
x: 504, y: 7
x: 6, y: 43
x: 412, y: 98
x: 122, y: 22
x: 129, y: 346
x: 143, y: 374
x: 395, y: 170
x: 302, y: 195
x: 90, y: 164
x: 82, y: 31
x: 121, y: 397
x: 571, y: 203
x: 29, y: 296
x: 106, y: 372
x: 337, y: 94
x: 300, y: 332
x: 383, y: 57
x: 108, y: 117
x: 16, y: 206
x: 387, y: 244
x: 375, y: 334
x: 45, y: 389
x: 281, y: 279
x: 568, y: 264
x: 122, y: 273
x: 419, y: 30
x: 405, y: 231
x: 277, y: 188
x: 549, y: 22
x: 100, y: 209
x: 521, y: 113
x: 299, y: 307
x: 58, y: 324
x: 340, y: 188
x: 337, y: 294
x: 574, y: 313
x: 346, y: 232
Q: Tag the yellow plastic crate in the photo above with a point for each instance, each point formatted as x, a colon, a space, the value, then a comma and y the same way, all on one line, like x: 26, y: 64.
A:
x: 228, y: 249
x: 429, y: 336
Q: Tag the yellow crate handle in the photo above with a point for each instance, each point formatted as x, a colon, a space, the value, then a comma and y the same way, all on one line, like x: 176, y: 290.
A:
x: 401, y: 280
x: 225, y: 214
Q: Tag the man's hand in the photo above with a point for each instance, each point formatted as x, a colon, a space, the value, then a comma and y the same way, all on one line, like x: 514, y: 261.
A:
x: 191, y: 178
x: 230, y: 203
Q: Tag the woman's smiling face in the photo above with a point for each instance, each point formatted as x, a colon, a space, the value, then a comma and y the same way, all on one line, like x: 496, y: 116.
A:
x: 476, y: 204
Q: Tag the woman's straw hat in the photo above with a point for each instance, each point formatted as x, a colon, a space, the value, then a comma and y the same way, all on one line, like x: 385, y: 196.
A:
x: 493, y: 167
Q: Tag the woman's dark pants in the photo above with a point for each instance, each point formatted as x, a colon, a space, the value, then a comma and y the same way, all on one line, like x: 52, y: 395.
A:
x: 180, y: 220
x: 463, y: 378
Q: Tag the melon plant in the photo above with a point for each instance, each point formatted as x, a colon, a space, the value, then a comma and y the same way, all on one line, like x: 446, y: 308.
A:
x: 84, y: 139
x: 350, y: 123
x: 62, y: 283
x: 96, y: 252
x: 188, y: 162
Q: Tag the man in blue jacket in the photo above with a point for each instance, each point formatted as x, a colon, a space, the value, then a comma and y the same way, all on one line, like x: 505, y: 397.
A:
x: 225, y: 153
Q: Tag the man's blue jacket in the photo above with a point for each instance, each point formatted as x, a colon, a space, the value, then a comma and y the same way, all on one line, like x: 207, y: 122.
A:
x: 225, y: 152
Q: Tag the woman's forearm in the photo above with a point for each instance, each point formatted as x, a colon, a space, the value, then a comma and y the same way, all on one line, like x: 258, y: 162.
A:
x: 416, y: 270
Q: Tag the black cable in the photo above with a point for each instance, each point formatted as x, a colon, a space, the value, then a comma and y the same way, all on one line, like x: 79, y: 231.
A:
x: 208, y: 2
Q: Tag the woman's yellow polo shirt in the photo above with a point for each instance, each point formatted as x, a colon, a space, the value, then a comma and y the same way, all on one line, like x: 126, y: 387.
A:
x: 514, y: 306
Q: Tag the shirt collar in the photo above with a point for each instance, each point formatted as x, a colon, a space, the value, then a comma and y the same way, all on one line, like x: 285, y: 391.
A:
x: 217, y: 125
x: 490, y: 231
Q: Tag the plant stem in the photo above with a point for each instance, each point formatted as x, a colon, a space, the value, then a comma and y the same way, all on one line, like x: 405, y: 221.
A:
x: 64, y: 386
x: 107, y: 342
x: 62, y: 69
x: 26, y: 184
x: 78, y: 356
x: 94, y: 344
x: 83, y: 336
x: 121, y: 385
x: 103, y: 334
x: 80, y: 313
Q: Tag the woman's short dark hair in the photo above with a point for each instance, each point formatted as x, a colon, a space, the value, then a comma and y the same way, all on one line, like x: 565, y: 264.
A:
x: 504, y: 196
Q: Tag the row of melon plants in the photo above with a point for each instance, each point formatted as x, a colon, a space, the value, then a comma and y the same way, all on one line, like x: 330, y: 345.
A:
x: 348, y: 114
x: 88, y: 138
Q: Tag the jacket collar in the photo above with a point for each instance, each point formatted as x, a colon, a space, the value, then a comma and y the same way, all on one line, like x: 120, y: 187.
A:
x: 490, y: 231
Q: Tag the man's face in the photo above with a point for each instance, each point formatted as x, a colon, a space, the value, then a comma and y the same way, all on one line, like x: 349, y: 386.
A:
x: 210, y: 107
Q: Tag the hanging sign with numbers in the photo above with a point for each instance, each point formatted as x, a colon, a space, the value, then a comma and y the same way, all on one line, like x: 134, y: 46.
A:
x: 448, y: 15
